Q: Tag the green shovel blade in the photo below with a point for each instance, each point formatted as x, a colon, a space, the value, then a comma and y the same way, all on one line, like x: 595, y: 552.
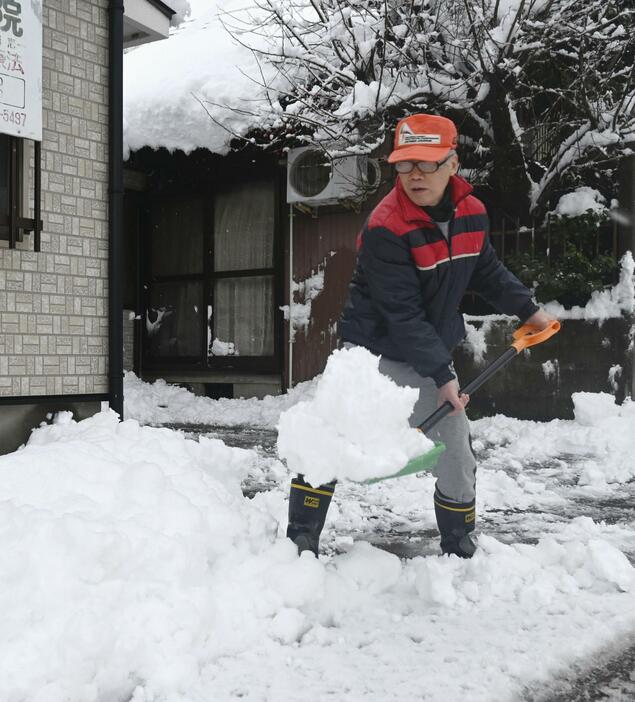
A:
x: 424, y: 462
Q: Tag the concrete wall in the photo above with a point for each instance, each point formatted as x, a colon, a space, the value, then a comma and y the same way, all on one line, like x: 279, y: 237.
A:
x: 18, y: 420
x: 581, y: 355
x: 53, y: 304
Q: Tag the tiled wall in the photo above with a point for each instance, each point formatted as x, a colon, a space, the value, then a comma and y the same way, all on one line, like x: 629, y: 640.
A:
x: 54, y: 304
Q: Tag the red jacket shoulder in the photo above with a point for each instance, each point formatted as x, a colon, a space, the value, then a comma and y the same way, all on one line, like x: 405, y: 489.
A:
x: 470, y: 206
x: 387, y: 214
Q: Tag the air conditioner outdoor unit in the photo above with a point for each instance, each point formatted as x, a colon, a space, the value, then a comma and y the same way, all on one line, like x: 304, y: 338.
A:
x: 315, y: 179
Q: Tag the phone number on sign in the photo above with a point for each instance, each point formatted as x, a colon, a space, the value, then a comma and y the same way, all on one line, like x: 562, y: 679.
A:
x: 18, y: 118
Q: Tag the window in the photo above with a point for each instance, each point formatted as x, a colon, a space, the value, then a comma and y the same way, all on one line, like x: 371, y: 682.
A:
x: 211, y: 295
x: 241, y: 318
x: 174, y: 317
x: 15, y: 154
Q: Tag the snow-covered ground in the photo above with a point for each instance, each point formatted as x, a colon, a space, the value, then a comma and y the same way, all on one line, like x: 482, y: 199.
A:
x: 134, y: 569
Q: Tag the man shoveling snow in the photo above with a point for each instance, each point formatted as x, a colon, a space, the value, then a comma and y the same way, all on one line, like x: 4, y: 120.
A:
x: 419, y: 251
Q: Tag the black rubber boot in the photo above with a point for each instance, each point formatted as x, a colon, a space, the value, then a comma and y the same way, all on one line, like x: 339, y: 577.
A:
x: 455, y: 521
x: 307, y: 513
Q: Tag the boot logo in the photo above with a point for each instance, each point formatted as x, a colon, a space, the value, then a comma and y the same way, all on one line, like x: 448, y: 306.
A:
x: 311, y: 501
x: 470, y: 517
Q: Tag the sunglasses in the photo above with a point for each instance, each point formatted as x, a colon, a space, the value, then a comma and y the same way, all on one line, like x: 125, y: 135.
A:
x: 423, y: 166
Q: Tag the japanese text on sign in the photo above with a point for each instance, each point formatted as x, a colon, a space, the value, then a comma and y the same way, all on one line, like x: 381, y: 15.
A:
x: 21, y: 68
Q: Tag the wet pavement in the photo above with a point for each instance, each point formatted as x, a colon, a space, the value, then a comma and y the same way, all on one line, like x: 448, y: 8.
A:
x: 612, y: 680
x: 397, y: 534
x: 240, y: 436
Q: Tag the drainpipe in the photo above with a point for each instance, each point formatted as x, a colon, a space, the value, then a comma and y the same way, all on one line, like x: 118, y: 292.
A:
x: 115, y: 207
x: 290, y: 384
x: 631, y: 207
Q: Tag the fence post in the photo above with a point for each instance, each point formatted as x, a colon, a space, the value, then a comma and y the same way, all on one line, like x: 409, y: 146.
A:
x: 533, y: 237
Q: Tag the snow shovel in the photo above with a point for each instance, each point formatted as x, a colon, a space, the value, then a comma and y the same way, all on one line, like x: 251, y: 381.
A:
x: 525, y: 336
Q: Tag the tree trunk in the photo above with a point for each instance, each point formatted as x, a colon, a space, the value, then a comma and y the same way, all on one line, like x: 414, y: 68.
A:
x: 509, y: 181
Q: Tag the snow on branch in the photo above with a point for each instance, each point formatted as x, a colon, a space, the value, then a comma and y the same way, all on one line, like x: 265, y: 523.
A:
x: 544, y: 85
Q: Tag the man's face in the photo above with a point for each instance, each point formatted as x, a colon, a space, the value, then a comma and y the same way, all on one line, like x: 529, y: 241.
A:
x: 426, y: 189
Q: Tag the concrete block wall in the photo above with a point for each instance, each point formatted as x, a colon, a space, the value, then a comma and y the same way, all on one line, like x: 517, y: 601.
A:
x: 580, y: 358
x: 54, y: 304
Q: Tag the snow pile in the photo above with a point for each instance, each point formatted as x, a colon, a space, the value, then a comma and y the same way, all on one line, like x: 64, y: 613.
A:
x: 581, y: 201
x: 561, y: 565
x: 600, y: 438
x: 111, y: 538
x: 133, y: 569
x: 593, y: 409
x: 604, y: 304
x: 162, y: 403
x: 355, y: 426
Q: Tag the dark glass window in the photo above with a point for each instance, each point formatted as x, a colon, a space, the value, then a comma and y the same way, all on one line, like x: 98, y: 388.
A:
x: 177, y: 237
x: 173, y: 320
x: 4, y: 174
x: 10, y: 181
x: 241, y: 307
x: 242, y: 318
x: 14, y: 220
x: 210, y: 279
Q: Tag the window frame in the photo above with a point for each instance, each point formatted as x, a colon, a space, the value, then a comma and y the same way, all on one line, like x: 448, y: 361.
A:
x: 205, y: 362
x: 264, y: 364
x: 13, y: 223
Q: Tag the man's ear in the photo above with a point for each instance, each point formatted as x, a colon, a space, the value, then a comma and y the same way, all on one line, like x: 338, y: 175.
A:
x: 455, y: 164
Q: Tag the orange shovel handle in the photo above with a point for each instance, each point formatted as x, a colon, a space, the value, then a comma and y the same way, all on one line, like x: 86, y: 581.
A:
x: 530, y: 335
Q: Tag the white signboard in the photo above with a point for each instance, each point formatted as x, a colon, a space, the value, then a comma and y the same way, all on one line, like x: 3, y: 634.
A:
x: 21, y: 68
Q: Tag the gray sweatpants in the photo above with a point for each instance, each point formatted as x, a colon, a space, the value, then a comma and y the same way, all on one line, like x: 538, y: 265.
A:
x: 456, y: 468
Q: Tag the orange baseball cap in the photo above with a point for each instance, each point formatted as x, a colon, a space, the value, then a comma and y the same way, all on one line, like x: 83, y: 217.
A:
x: 423, y: 138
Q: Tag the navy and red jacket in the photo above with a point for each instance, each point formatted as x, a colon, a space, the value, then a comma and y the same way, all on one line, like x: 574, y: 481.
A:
x: 409, y: 281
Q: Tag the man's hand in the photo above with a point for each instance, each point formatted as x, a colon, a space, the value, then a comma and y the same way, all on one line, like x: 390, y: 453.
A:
x: 450, y: 393
x: 540, y: 319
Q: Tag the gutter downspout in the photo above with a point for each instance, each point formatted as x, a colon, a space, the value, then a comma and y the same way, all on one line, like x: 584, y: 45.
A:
x: 631, y: 207
x: 115, y: 207
x: 290, y: 383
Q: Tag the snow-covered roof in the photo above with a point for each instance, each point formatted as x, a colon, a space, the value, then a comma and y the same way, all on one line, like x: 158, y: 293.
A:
x: 172, y: 85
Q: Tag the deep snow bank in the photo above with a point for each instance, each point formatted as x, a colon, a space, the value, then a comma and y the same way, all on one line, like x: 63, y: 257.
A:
x: 600, y: 438
x: 131, y: 568
x: 162, y: 403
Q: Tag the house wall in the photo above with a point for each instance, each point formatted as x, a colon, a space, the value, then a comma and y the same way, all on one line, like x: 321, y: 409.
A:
x: 322, y: 244
x: 53, y: 304
x: 324, y: 240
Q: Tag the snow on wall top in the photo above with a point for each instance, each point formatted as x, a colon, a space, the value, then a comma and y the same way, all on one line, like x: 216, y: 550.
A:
x: 199, y: 59
x: 580, y: 201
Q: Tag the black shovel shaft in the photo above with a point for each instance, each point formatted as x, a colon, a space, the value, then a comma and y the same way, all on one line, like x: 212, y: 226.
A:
x: 447, y: 407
